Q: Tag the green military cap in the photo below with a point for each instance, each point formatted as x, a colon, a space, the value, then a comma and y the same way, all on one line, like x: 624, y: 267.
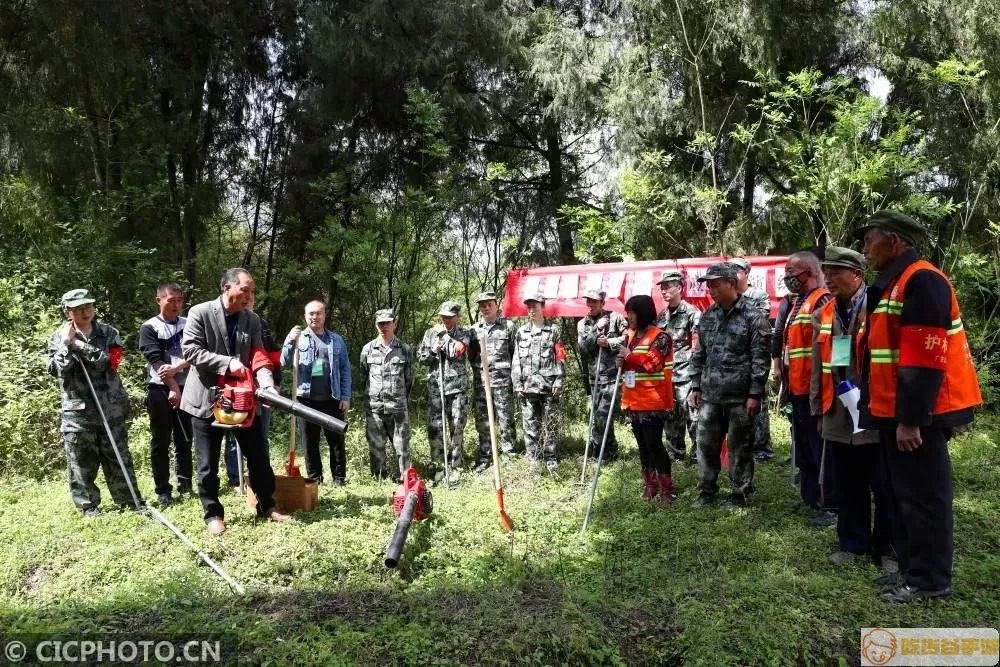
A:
x: 534, y: 296
x: 594, y: 295
x: 671, y: 276
x: 836, y: 256
x: 894, y: 222
x: 720, y: 270
x: 76, y: 297
x: 740, y: 263
x: 449, y: 309
x: 384, y: 315
x: 486, y: 296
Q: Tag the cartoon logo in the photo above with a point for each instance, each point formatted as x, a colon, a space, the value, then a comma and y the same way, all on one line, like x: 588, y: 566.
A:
x: 878, y: 646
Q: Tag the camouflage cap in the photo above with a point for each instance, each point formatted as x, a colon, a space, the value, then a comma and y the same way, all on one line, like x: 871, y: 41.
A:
x: 595, y: 295
x: 894, y: 222
x: 836, y: 256
x: 720, y: 270
x: 671, y: 276
x: 741, y: 263
x: 534, y: 296
x: 449, y: 309
x: 76, y: 297
x: 486, y: 296
x: 384, y: 315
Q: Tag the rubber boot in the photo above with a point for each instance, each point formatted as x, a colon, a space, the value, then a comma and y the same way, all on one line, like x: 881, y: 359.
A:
x: 649, y: 492
x: 666, y: 489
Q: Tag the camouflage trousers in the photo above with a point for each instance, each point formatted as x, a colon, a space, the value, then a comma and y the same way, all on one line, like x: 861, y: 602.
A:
x: 456, y: 407
x: 90, y: 451
x: 762, y: 429
x: 381, y: 427
x: 682, y: 419
x: 602, y: 411
x: 718, y: 421
x: 503, y: 408
x: 542, y: 423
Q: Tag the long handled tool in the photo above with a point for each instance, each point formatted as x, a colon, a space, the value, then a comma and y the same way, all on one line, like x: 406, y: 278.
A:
x: 446, y: 450
x: 241, y: 489
x: 491, y: 414
x: 149, y: 511
x: 594, y: 393
x: 604, y: 441
x: 291, y: 469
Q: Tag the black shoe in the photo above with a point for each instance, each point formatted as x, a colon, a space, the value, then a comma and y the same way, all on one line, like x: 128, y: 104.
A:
x: 734, y: 502
x: 763, y: 456
x: 609, y: 457
x: 481, y: 467
x: 339, y: 481
x: 703, y: 501
x: 891, y: 580
x: 906, y: 594
x: 164, y: 499
x: 692, y: 460
x: 824, y: 519
x: 184, y: 490
x: 92, y: 512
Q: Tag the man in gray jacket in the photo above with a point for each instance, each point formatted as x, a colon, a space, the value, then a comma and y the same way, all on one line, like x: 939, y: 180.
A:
x: 854, y: 452
x: 223, y: 337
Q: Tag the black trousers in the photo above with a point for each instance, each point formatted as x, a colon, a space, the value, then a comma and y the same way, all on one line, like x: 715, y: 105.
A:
x: 648, y: 432
x: 208, y: 443
x: 166, y: 422
x: 859, y: 481
x: 310, y: 438
x: 919, y: 487
x: 809, y: 447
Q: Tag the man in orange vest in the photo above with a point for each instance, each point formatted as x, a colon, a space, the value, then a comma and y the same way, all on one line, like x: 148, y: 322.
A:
x: 854, y: 452
x: 803, y: 279
x: 918, y: 383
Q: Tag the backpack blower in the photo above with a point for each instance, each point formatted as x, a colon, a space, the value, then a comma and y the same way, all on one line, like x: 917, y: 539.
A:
x: 411, y: 501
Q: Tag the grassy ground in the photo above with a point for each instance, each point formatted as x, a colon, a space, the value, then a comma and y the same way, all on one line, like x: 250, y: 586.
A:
x: 649, y: 585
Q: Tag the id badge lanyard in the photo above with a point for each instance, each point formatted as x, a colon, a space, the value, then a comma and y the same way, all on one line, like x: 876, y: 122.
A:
x: 841, y: 354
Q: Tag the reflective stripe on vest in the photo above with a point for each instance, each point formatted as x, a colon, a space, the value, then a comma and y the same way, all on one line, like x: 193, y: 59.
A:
x: 798, y: 342
x: 652, y: 391
x: 960, y: 386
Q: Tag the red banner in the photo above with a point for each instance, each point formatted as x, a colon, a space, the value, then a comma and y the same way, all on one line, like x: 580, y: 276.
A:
x: 563, y: 286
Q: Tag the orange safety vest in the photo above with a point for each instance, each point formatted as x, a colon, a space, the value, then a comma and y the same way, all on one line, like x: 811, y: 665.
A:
x: 798, y: 344
x: 921, y: 346
x: 652, y: 391
x: 824, y: 340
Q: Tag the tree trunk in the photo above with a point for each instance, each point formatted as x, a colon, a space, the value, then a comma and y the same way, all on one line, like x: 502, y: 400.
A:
x: 557, y: 192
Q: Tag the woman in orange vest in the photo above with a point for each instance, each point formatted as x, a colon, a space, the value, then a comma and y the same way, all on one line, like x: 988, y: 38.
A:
x: 647, y: 393
x: 918, y: 382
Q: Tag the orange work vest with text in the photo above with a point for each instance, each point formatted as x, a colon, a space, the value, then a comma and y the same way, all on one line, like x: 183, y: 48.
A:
x: 798, y: 344
x: 651, y: 391
x: 889, y: 347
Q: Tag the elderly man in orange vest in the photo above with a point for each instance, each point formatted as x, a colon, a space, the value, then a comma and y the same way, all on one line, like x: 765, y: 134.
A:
x: 854, y: 451
x: 918, y: 383
x: 804, y: 280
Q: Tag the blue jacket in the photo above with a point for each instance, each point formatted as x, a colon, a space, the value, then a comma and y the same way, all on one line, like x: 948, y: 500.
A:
x: 340, y: 366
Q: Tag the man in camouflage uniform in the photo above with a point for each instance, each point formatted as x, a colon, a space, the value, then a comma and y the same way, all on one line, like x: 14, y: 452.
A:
x: 445, y: 348
x: 84, y: 345
x: 499, y: 334
x: 387, y: 369
x: 538, y: 370
x: 599, y: 336
x: 679, y: 319
x: 728, y: 375
x: 760, y: 300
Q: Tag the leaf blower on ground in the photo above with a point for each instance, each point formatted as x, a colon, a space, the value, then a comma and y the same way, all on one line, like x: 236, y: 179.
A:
x: 411, y: 501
